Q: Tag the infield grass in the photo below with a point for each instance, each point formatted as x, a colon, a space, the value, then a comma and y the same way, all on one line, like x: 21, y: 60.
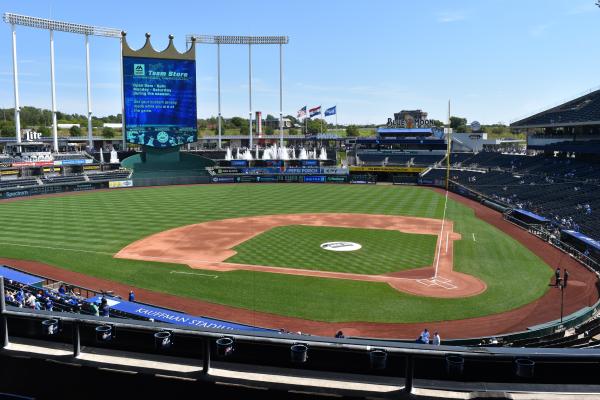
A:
x: 81, y: 232
x: 298, y: 246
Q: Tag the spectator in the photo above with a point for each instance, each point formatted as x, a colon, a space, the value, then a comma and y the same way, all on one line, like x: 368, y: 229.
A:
x: 94, y: 308
x: 424, y: 338
x: 436, y: 339
x: 30, y: 301
x: 104, y: 308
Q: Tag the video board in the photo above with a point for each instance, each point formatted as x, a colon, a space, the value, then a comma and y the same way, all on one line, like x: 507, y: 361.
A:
x: 160, y: 101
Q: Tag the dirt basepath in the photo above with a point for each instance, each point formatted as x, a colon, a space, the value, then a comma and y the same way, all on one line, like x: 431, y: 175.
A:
x: 581, y: 293
x: 207, y: 245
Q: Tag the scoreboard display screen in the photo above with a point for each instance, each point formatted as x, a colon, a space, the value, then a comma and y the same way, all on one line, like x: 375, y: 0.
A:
x: 160, y: 101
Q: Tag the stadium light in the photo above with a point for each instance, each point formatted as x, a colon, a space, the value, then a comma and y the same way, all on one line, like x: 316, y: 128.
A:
x: 191, y: 39
x: 51, y: 26
x: 43, y: 23
x: 223, y: 39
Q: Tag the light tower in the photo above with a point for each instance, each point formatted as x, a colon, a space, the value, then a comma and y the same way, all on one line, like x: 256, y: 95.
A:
x: 245, y: 40
x: 51, y: 26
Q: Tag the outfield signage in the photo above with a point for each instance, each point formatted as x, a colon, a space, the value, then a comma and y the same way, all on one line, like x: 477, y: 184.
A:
x: 120, y: 184
x: 387, y: 169
x: 80, y: 161
x: 50, y: 189
x: 314, y: 178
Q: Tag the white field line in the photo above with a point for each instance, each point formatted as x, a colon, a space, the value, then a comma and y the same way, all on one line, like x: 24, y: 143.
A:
x: 36, y: 246
x: 437, y: 260
x: 474, y: 237
x: 194, y: 273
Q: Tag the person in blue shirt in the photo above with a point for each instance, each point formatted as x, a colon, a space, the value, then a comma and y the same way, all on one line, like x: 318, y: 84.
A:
x: 131, y: 295
x: 49, y: 304
x: 104, y: 308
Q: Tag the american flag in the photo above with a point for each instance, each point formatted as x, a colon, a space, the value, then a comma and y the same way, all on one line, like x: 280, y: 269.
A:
x: 302, y: 112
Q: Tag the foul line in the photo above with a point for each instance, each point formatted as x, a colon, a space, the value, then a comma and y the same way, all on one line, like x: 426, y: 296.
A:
x: 57, y: 248
x: 437, y: 261
x: 194, y: 273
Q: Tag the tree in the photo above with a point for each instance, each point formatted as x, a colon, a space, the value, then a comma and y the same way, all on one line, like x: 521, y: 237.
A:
x: 437, y: 123
x: 269, y: 130
x: 75, y: 131
x: 44, y: 130
x: 108, y: 132
x: 352, y: 130
x: 292, y: 119
x: 238, y: 122
x: 244, y: 130
x: 270, y: 117
x: 458, y: 124
x: 7, y: 128
x: 316, y: 126
x: 292, y: 131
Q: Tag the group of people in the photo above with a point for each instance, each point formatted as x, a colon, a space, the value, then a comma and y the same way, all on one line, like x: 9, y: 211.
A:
x: 425, y: 338
x: 41, y: 299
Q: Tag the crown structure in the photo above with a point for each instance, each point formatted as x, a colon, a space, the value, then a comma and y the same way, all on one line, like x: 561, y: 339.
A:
x: 149, y: 52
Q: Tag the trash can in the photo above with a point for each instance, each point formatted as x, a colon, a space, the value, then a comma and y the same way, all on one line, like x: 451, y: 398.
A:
x: 104, y: 333
x: 524, y: 367
x: 299, y: 353
x: 224, y: 346
x: 378, y: 359
x: 163, y: 340
x: 455, y: 365
x: 50, y: 326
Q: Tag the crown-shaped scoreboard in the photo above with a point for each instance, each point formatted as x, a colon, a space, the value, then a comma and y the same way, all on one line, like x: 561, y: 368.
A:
x: 159, y: 90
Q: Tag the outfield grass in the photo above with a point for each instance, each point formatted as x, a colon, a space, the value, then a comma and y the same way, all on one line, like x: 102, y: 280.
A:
x: 298, y: 246
x: 81, y: 233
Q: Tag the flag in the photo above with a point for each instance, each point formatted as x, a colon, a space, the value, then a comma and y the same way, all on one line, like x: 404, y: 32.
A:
x: 314, y: 111
x: 330, y: 111
x: 302, y: 112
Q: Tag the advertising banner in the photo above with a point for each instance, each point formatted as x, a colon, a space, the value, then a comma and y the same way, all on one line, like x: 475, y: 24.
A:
x: 120, y: 184
x: 314, y: 179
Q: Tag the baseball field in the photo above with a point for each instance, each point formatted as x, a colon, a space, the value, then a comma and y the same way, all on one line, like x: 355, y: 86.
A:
x: 274, y: 263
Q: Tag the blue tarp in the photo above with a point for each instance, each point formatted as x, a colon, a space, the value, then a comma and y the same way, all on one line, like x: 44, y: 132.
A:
x: 172, y: 317
x: 588, y: 241
x: 529, y: 214
x: 17, y: 276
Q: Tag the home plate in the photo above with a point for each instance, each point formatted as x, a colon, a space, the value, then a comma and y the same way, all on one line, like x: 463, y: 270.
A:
x: 438, y: 281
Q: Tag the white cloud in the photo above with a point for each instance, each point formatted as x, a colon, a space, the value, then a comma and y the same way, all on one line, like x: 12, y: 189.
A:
x: 451, y: 16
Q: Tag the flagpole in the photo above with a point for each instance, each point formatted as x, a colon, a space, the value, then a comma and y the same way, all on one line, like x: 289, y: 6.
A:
x: 322, y: 117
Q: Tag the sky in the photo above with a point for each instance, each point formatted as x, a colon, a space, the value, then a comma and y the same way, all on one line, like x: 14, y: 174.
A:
x: 497, y: 60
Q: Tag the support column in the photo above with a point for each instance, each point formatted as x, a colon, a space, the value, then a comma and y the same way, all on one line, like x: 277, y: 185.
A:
x: 250, y: 96
x: 53, y: 90
x: 16, y: 85
x: 280, y: 95
x: 89, y: 92
x: 124, y: 145
x: 219, y: 90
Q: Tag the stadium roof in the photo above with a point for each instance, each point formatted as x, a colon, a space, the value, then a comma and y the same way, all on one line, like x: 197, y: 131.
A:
x: 584, y: 110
